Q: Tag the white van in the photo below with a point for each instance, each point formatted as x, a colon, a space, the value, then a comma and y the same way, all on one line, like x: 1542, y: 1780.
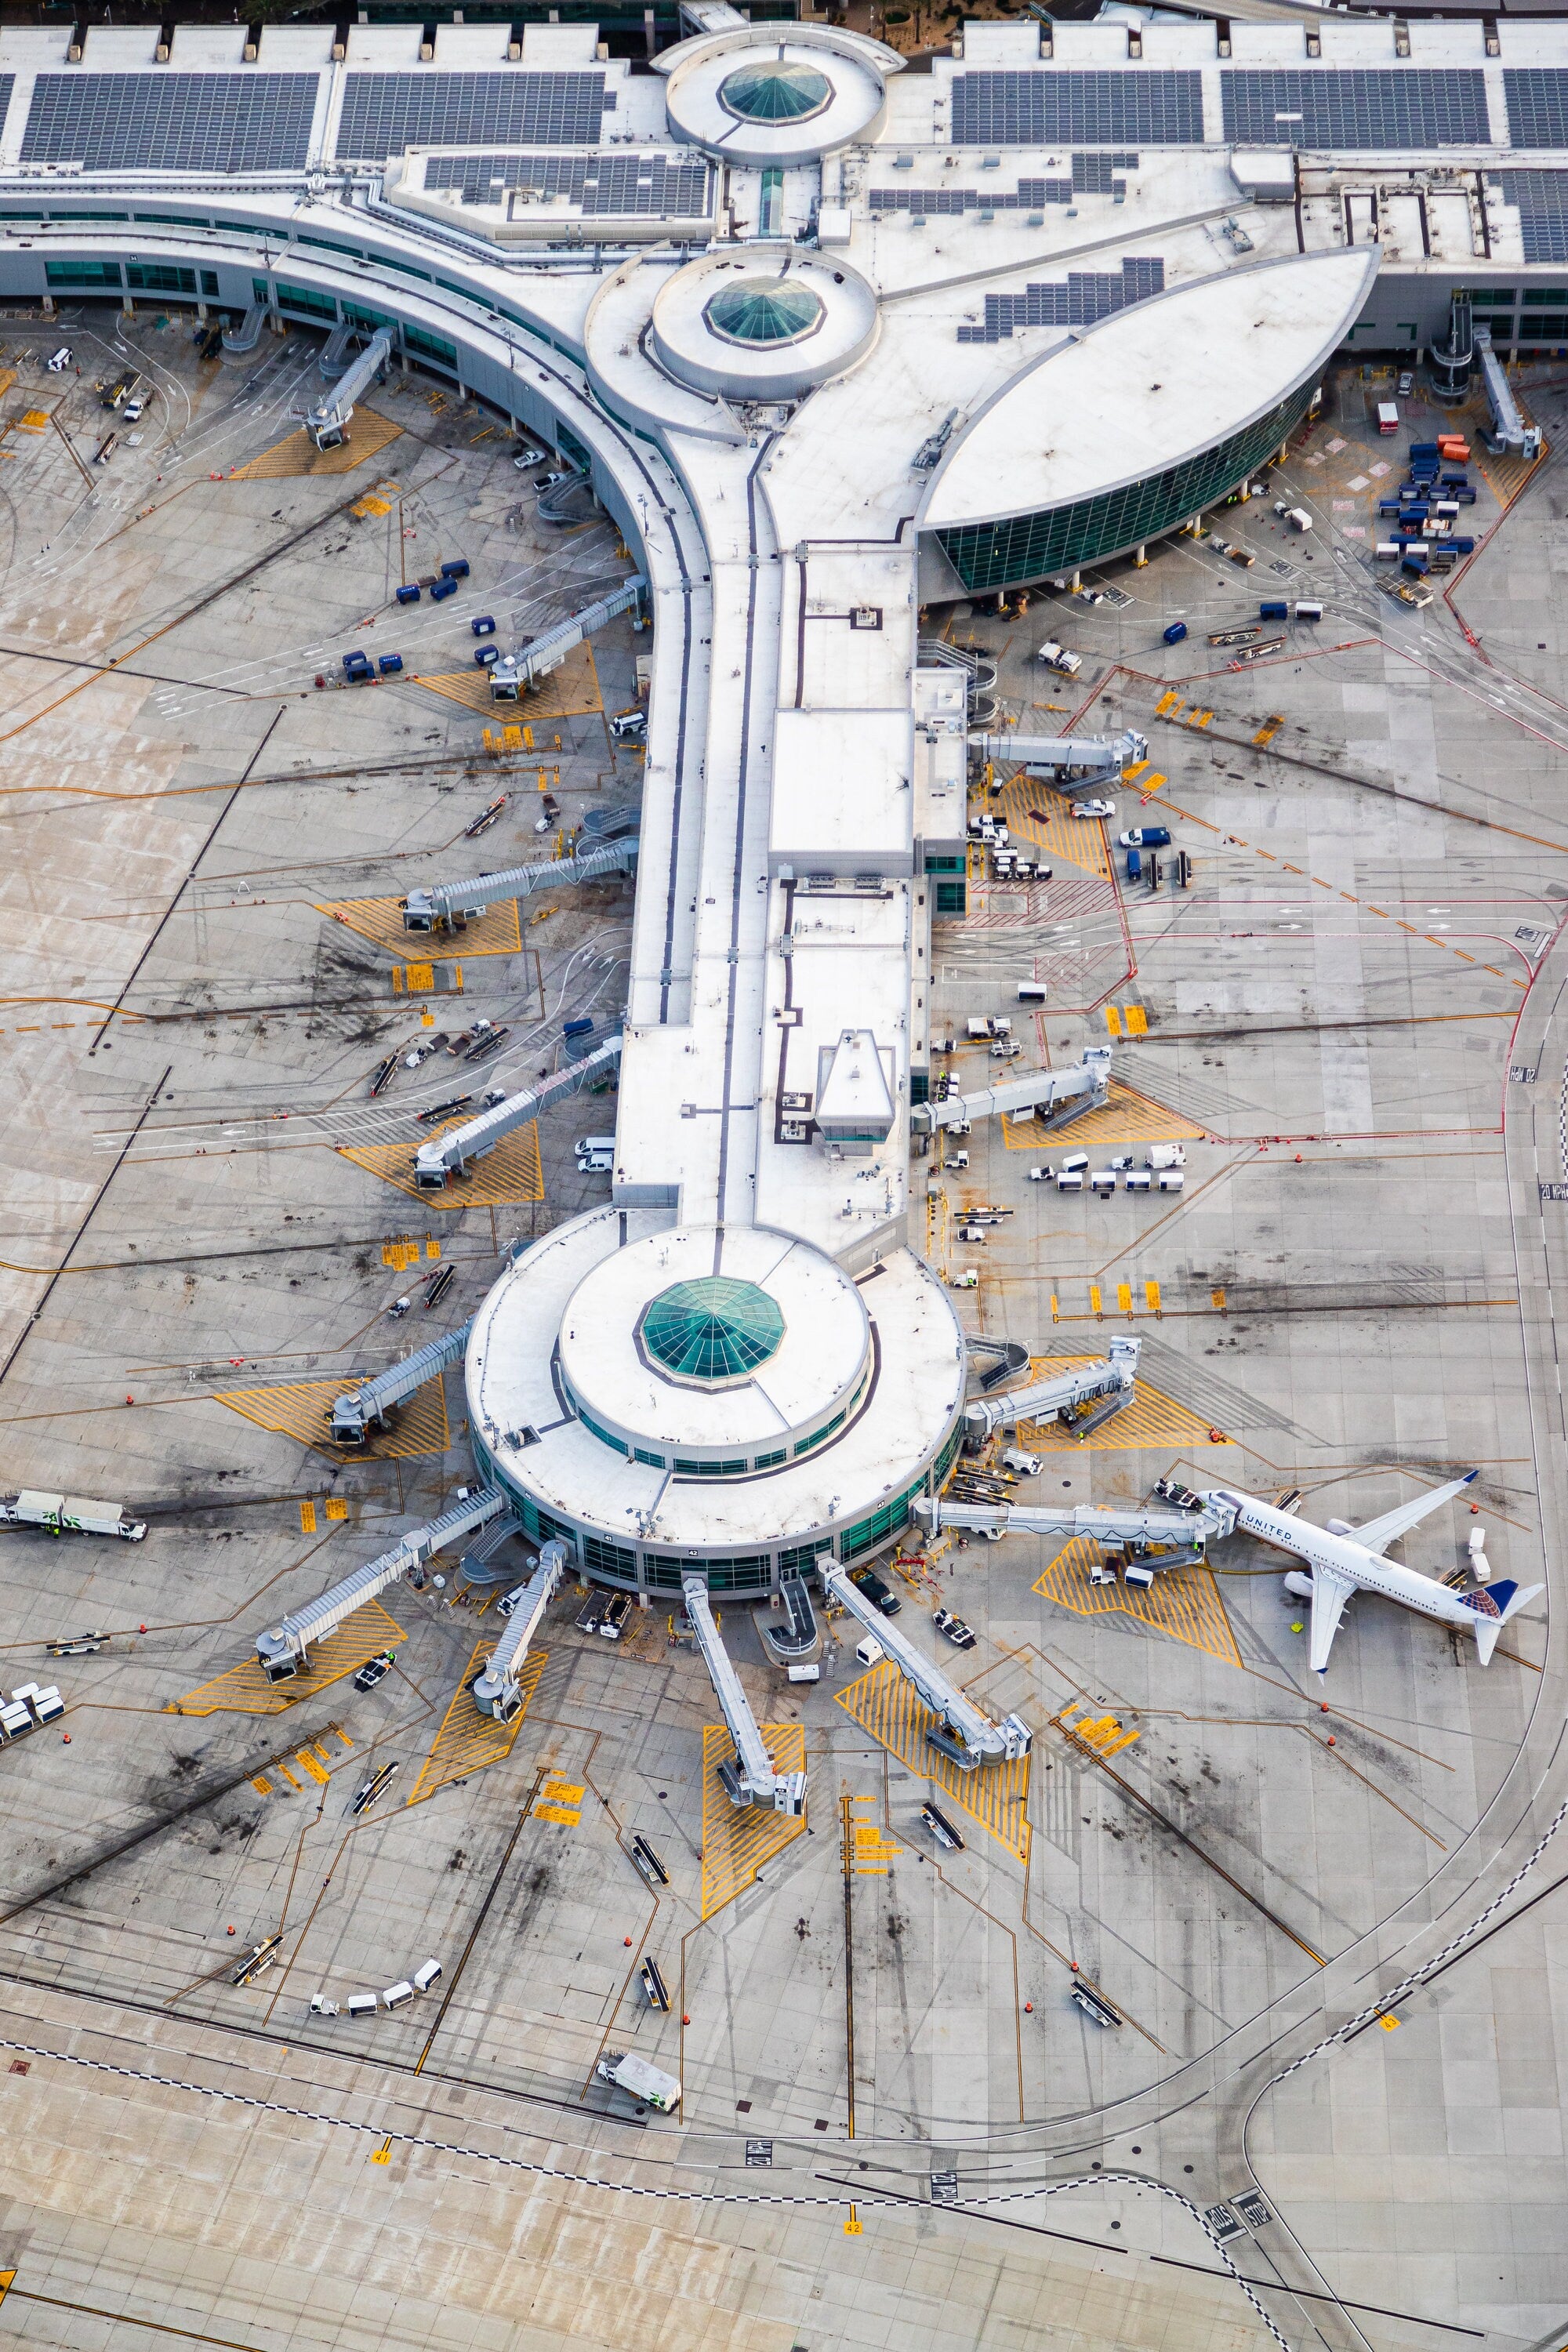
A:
x: 586, y: 1145
x: 595, y: 1163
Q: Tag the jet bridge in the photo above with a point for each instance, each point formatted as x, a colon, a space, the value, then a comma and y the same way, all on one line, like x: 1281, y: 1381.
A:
x: 515, y: 671
x: 281, y: 1650
x: 1057, y: 1096
x: 443, y: 903
x: 1108, y: 1378
x: 356, y: 1409
x: 1508, y: 430
x: 1077, y: 763
x: 328, y: 423
x: 435, y: 1163
x: 750, y: 1780
x: 1169, y: 1539
x: 962, y: 1731
x: 498, y: 1691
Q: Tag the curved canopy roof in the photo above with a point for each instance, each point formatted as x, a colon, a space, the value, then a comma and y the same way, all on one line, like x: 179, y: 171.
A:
x: 1149, y: 386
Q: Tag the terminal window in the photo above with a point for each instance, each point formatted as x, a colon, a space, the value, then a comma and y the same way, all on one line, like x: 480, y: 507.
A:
x: 998, y: 554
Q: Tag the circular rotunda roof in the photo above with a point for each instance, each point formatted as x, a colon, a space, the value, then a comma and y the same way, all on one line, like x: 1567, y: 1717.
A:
x: 774, y: 89
x: 714, y: 1329
x: 764, y: 312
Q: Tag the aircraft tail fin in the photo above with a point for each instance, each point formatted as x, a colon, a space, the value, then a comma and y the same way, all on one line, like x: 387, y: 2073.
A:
x: 1492, y: 1608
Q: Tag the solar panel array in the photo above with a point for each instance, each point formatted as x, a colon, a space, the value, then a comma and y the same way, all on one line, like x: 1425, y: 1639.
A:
x: 172, y: 121
x: 1391, y: 107
x: 386, y: 112
x: 1087, y: 296
x: 1040, y: 107
x: 1542, y: 199
x: 7, y: 84
x: 1537, y: 105
x: 1092, y: 175
x: 641, y: 183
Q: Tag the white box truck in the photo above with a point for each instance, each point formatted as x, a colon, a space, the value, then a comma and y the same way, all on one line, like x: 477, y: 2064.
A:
x: 647, y: 2084
x: 74, y: 1513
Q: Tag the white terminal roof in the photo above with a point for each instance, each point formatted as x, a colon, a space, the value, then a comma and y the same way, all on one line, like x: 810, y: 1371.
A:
x: 1074, y: 312
x: 1141, y: 391
x: 815, y: 1364
x: 917, y: 1388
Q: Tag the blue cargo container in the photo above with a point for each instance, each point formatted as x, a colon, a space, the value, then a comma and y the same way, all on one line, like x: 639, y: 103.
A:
x: 486, y: 654
x: 1175, y: 633
x: 441, y: 588
x: 357, y: 666
x: 390, y: 663
x: 483, y: 626
x: 456, y: 570
x: 410, y: 594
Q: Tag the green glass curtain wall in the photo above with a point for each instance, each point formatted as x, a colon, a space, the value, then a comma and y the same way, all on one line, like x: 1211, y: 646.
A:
x: 1003, y: 554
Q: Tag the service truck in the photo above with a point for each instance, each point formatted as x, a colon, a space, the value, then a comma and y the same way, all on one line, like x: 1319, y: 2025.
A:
x: 74, y: 1513
x: 649, y: 2086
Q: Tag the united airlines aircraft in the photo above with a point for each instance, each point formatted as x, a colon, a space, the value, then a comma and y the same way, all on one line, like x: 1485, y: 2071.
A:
x: 1342, y: 1560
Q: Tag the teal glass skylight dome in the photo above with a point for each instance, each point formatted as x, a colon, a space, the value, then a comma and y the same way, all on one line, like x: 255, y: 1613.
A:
x: 712, y: 1329
x: 764, y: 312
x: 775, y: 89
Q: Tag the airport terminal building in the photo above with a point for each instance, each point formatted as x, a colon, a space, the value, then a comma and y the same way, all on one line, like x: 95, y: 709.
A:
x: 836, y: 338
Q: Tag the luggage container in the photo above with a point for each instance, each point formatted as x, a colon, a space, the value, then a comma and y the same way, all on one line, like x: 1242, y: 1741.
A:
x: 1175, y: 633
x: 1140, y: 1179
x: 487, y: 656
x: 1170, y: 1179
x: 1463, y: 546
x: 1275, y: 609
x: 396, y: 1995
x: 458, y: 569
x: 390, y: 665
x: 362, y: 2004
x: 358, y: 666
x: 410, y: 594
x: 1308, y: 609
x: 483, y: 624
x: 426, y: 1975
x: 442, y: 588
x: 1389, y: 550
x: 1031, y: 992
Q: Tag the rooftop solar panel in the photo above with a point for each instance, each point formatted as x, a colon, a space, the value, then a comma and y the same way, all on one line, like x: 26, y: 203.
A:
x: 1038, y: 106
x: 386, y: 112
x: 647, y: 185
x: 1086, y: 296
x: 1391, y: 107
x: 172, y: 121
x: 7, y: 84
x: 1541, y: 198
x: 1537, y: 105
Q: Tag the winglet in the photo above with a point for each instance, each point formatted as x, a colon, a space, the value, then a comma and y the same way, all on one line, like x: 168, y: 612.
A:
x: 1469, y: 1477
